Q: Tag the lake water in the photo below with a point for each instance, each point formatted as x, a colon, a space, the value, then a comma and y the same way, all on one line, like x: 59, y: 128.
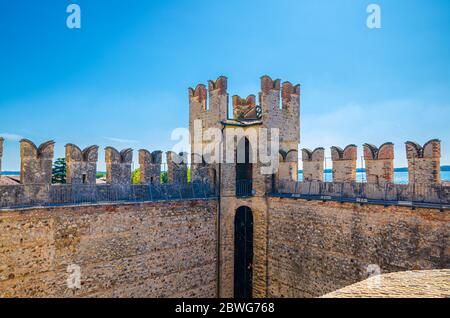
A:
x: 399, y: 177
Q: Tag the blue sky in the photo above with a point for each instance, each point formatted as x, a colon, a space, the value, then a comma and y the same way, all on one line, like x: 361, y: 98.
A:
x: 122, y: 79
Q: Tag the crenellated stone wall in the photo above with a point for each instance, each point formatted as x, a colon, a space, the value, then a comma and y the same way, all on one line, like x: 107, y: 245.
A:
x: 150, y: 166
x: 344, y: 163
x: 177, y: 167
x: 36, y: 162
x: 163, y: 249
x: 81, y: 164
x: 313, y: 164
x: 118, y: 165
x: 424, y: 163
x: 379, y: 163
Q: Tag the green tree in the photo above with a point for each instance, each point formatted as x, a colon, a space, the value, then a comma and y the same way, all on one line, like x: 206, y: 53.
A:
x: 59, y: 171
x: 136, y: 176
x: 164, y: 177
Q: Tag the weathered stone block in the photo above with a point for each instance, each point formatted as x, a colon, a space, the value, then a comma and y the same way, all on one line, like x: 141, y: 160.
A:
x: 81, y: 164
x: 379, y: 163
x: 344, y: 163
x: 424, y: 163
x: 150, y: 166
x: 36, y: 163
x: 118, y: 165
x: 313, y: 164
x: 177, y: 167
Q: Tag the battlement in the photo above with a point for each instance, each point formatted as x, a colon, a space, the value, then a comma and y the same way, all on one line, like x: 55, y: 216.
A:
x: 379, y: 163
x: 177, y: 167
x: 424, y: 163
x: 118, y: 165
x: 431, y: 149
x: 317, y: 155
x: 36, y: 162
x: 244, y: 108
x: 150, y: 166
x: 344, y: 163
x: 271, y: 89
x: 348, y: 153
x: 198, y: 97
x: 313, y: 164
x: 280, y: 108
x: 81, y: 164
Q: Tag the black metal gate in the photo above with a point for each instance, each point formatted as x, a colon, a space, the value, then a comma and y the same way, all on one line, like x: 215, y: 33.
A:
x: 243, y: 252
x: 244, y: 171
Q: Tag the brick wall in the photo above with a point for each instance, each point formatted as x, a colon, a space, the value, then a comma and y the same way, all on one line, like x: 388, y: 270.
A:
x: 163, y: 249
x: 317, y: 247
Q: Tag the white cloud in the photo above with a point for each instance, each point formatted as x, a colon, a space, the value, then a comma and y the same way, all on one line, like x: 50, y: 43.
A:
x: 11, y: 137
x: 123, y: 141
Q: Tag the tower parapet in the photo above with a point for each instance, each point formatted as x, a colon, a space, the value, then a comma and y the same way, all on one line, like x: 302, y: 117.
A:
x: 177, y: 167
x: 208, y: 108
x: 1, y: 152
x: 424, y: 163
x: 379, y: 163
x: 344, y: 163
x: 313, y: 164
x: 118, y: 165
x: 81, y: 164
x: 244, y: 108
x: 286, y: 118
x: 150, y: 166
x: 201, y: 170
x: 36, y: 162
x: 280, y: 109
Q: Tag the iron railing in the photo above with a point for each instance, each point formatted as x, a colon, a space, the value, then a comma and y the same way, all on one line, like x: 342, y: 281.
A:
x: 244, y: 188
x: 18, y: 196
x: 415, y: 195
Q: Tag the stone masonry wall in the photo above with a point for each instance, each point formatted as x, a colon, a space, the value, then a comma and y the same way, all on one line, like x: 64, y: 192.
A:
x: 318, y: 247
x: 150, y: 167
x: 161, y: 249
x: 313, y: 164
x: 36, y: 162
x: 424, y: 163
x: 81, y: 164
x: 379, y: 163
x: 344, y: 163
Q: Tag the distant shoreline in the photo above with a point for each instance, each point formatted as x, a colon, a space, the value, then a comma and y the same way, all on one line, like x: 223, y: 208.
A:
x: 405, y: 169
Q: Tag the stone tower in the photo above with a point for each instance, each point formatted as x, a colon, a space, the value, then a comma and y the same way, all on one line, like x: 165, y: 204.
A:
x: 242, y: 166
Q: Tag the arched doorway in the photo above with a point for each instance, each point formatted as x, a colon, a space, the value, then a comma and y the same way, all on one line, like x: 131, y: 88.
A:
x: 244, y: 169
x: 243, y: 252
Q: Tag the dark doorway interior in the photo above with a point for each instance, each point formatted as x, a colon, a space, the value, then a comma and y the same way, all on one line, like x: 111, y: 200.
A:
x: 244, y: 171
x: 243, y: 252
